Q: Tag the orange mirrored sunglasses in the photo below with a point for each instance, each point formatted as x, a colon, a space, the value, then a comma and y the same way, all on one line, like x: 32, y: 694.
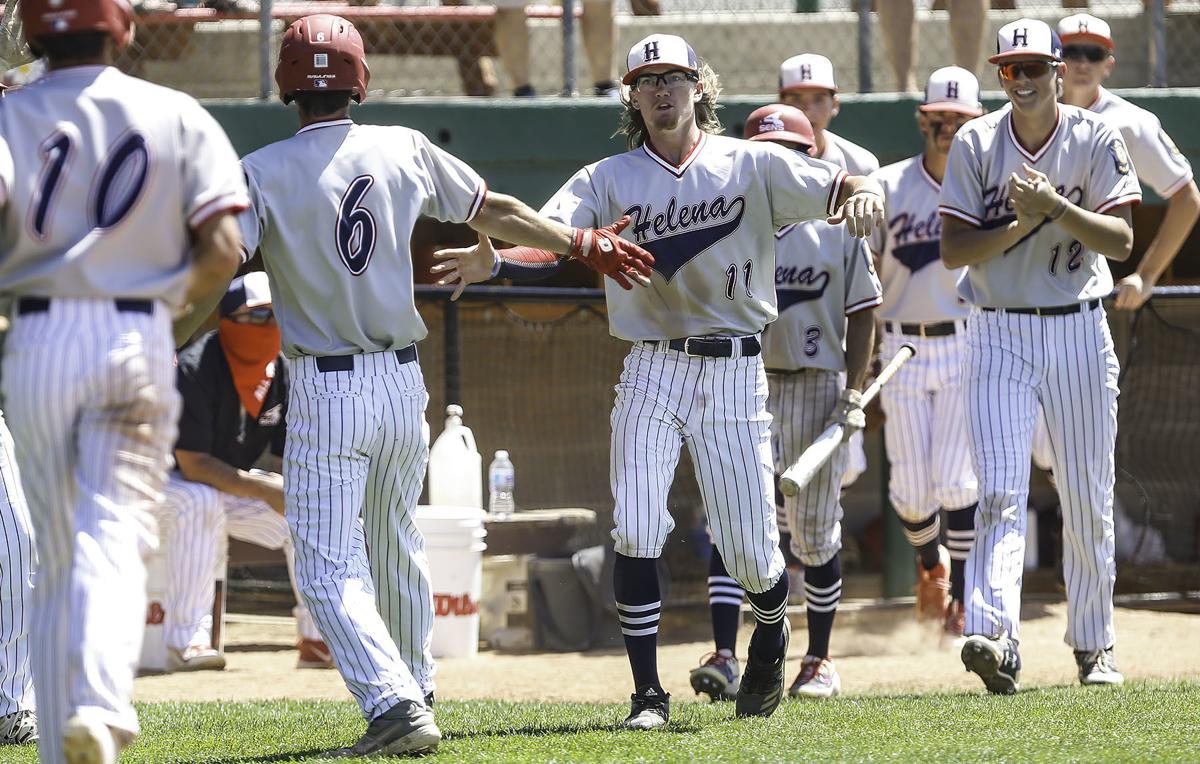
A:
x: 1031, y: 69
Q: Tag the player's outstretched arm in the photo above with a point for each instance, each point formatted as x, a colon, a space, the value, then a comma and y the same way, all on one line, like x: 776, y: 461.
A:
x: 601, y: 249
x: 1183, y: 208
x: 1110, y: 233
x: 859, y: 205
x: 216, y: 255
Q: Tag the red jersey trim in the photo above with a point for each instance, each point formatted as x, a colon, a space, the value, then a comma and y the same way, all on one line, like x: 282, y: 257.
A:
x: 1134, y: 198
x: 681, y: 168
x: 867, y: 304
x: 477, y: 202
x: 1041, y: 151
x: 835, y: 191
x: 232, y: 202
x: 955, y: 213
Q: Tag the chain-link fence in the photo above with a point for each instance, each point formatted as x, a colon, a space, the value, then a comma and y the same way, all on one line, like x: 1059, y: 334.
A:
x: 454, y: 47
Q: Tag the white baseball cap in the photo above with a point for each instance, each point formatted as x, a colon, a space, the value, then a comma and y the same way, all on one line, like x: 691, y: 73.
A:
x: 1026, y: 37
x: 1083, y: 27
x: 660, y: 50
x: 807, y: 71
x: 251, y: 290
x: 952, y: 88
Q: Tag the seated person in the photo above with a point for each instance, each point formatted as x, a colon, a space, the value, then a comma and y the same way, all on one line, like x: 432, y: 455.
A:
x: 234, y: 386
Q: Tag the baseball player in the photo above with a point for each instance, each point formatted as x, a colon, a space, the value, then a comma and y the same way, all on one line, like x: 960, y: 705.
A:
x: 18, y: 718
x: 1088, y: 54
x: 826, y: 290
x: 234, y: 385
x: 925, y: 440
x: 707, y: 207
x: 332, y: 212
x: 806, y: 82
x: 1035, y: 197
x: 116, y: 213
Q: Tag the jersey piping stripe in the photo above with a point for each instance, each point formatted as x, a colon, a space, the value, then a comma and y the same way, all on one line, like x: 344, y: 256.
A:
x: 928, y: 178
x: 834, y: 192
x: 477, y: 202
x: 679, y: 170
x: 1126, y: 199
x: 1167, y: 193
x: 957, y: 213
x: 225, y: 203
x: 873, y: 301
x: 330, y: 123
x: 1035, y: 156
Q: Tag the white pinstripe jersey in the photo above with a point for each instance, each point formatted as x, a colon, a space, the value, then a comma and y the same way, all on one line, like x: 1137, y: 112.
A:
x: 1085, y: 158
x: 333, y: 209
x: 101, y: 177
x: 822, y: 275
x: 710, y: 225
x: 1158, y: 160
x: 848, y: 155
x: 916, y: 286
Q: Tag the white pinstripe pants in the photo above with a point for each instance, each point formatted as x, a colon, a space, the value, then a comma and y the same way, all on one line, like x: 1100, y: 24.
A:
x: 93, y: 408
x: 927, y: 444
x: 801, y: 404
x: 17, y: 559
x: 192, y: 517
x: 718, y: 406
x: 1067, y: 364
x: 355, y: 449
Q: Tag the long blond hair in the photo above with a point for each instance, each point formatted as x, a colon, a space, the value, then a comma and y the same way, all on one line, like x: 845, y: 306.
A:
x: 633, y: 124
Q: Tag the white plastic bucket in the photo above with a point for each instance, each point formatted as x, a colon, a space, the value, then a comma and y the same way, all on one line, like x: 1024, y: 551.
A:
x: 153, y: 658
x: 454, y: 544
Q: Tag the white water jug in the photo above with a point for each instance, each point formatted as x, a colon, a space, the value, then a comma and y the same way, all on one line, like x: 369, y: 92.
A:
x: 455, y: 466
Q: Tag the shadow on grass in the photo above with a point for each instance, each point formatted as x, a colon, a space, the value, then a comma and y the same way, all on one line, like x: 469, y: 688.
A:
x: 451, y: 737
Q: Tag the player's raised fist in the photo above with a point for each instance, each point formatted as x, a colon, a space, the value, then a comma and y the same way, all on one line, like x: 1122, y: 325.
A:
x: 603, y: 250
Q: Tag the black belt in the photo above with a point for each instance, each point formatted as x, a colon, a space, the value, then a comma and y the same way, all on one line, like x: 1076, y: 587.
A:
x: 715, y: 347
x: 937, y: 329
x: 346, y: 362
x: 42, y: 304
x: 1057, y: 310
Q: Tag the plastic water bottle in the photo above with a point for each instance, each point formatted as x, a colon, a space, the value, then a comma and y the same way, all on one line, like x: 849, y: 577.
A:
x: 501, y: 479
x: 455, y: 465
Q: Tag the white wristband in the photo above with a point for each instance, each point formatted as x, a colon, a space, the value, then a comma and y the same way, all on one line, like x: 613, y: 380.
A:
x: 496, y: 265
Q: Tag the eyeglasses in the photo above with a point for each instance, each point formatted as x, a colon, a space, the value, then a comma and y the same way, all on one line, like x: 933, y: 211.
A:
x: 676, y: 78
x: 253, y: 316
x: 1093, y: 53
x: 1031, y: 69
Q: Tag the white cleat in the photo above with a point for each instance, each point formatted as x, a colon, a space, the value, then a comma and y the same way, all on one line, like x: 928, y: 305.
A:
x: 1097, y: 667
x: 818, y: 678
x: 88, y: 742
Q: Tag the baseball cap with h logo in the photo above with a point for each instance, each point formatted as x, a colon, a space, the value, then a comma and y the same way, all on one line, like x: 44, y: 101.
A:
x: 1026, y: 38
x: 1085, y: 28
x: 660, y: 50
x: 952, y: 88
x: 807, y: 71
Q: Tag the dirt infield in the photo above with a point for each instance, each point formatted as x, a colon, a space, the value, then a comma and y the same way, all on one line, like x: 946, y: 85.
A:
x: 876, y: 653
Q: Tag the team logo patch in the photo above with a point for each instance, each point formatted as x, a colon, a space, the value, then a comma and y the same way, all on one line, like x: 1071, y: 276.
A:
x: 794, y: 285
x: 320, y: 60
x: 1170, y: 144
x: 771, y: 123
x: 320, y: 84
x: 271, y: 416
x: 1120, y: 156
x: 681, y: 231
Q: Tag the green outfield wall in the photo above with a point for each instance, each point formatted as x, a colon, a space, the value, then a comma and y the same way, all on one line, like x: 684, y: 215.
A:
x: 530, y: 147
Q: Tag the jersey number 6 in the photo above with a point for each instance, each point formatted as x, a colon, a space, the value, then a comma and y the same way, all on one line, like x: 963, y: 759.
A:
x: 118, y: 184
x: 355, y: 234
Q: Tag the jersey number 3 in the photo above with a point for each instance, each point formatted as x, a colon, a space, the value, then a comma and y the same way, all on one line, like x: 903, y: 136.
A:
x: 119, y: 181
x: 355, y: 234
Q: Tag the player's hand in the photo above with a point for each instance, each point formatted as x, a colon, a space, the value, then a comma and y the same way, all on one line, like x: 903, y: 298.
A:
x: 1132, y: 292
x: 604, y: 251
x: 1034, y: 192
x: 849, y: 413
x: 862, y: 212
x: 469, y: 265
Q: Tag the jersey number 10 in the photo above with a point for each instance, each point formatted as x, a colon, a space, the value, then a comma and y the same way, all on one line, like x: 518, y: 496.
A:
x: 117, y: 184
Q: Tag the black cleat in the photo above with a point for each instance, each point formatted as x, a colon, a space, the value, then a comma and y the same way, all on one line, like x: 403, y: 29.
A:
x: 649, y: 709
x: 995, y: 661
x: 762, y: 682
x: 1097, y: 667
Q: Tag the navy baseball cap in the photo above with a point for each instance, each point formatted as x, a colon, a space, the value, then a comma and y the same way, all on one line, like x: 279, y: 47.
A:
x: 251, y: 290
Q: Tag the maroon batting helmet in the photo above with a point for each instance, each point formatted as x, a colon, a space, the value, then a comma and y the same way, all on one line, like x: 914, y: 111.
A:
x: 781, y: 123
x: 46, y: 18
x: 319, y: 53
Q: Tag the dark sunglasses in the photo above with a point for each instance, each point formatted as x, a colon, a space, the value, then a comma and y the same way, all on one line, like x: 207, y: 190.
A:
x: 1031, y: 69
x: 254, y: 316
x: 1092, y: 53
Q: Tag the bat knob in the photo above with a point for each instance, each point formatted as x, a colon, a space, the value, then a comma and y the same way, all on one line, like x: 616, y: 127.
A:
x: 788, y: 487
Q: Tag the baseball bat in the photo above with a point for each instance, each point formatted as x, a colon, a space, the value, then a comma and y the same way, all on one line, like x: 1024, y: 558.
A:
x: 794, y: 478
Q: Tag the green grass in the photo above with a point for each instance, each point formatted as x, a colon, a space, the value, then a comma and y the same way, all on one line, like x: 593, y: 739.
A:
x: 1144, y: 721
